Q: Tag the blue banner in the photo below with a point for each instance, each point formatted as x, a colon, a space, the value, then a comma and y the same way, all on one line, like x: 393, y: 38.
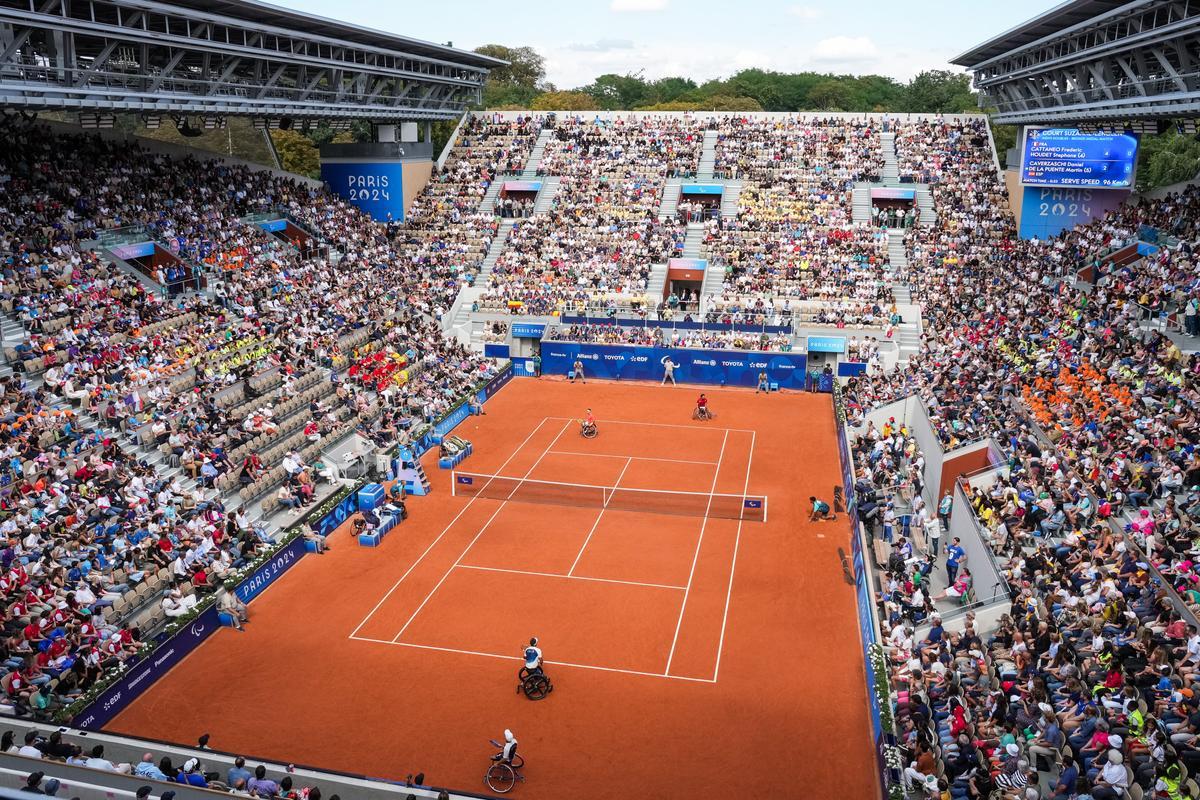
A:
x: 451, y: 421
x: 826, y: 344
x: 528, y: 330
x: 723, y: 367
x: 375, y: 187
x: 273, y: 225
x: 848, y: 369
x: 269, y: 571
x: 495, y: 384
x: 702, y: 188
x: 495, y: 351
x: 330, y: 522
x: 1049, y: 212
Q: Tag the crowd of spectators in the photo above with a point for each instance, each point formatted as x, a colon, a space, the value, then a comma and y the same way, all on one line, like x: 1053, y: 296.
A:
x: 239, y: 388
x: 1088, y: 686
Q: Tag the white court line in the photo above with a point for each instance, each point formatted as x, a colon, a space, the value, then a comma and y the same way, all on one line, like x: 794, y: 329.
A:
x: 733, y: 566
x: 519, y: 658
x: 599, y: 516
x: 499, y: 508
x: 445, y: 530
x: 635, y: 458
x: 665, y: 425
x: 696, y: 555
x: 569, y: 577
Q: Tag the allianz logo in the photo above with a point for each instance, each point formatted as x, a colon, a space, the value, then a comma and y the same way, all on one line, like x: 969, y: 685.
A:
x: 701, y: 362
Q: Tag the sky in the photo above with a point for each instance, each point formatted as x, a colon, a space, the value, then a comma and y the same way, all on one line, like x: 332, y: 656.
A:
x: 701, y: 39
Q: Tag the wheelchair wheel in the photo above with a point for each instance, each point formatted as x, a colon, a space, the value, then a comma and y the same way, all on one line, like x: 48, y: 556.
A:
x: 518, y: 761
x: 500, y: 778
x: 536, y: 687
x: 589, y: 433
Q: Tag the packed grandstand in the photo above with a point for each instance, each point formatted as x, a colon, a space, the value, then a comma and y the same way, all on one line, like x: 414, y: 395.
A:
x: 150, y: 439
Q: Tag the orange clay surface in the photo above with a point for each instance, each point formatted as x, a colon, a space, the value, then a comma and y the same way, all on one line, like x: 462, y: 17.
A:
x: 686, y: 653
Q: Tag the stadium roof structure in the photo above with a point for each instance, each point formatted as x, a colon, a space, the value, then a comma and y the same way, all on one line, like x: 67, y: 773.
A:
x: 1093, y: 60
x: 222, y: 57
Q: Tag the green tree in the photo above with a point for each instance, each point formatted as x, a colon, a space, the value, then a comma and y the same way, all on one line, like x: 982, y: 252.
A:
x: 665, y: 90
x: 617, y: 91
x: 526, y: 67
x: 831, y: 95
x: 1169, y: 158
x: 940, y: 91
x: 563, y: 101
x: 297, y: 153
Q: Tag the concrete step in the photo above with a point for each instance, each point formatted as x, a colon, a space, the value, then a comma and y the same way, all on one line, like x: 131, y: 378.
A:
x: 545, y: 196
x: 535, y: 155
x: 730, y: 198
x: 670, y: 198
x: 708, y: 157
x: 694, y: 241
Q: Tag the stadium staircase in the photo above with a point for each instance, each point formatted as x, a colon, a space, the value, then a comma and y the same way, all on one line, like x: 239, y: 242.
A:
x: 670, y: 198
x: 925, y: 204
x: 708, y: 157
x: 494, y: 250
x: 862, y: 203
x: 891, y: 166
x: 488, y: 203
x: 694, y: 240
x: 657, y: 284
x: 545, y: 197
x: 535, y: 155
x: 908, y: 335
x: 714, y: 278
x: 729, y: 199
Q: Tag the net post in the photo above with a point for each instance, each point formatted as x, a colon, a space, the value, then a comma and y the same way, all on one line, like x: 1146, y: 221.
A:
x: 764, y: 502
x: 454, y: 483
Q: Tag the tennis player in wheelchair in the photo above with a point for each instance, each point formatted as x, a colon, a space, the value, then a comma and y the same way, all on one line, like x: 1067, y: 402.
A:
x: 533, y: 681
x: 702, y: 411
x: 587, y: 426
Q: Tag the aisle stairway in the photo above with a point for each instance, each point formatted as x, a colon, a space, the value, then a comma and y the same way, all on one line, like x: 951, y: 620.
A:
x: 891, y: 167
x: 908, y: 333
x: 694, y: 241
x: 545, y: 197
x: 925, y: 204
x: 535, y: 155
x: 488, y: 203
x: 708, y: 157
x: 862, y: 203
x: 494, y: 251
x: 656, y: 285
x: 670, y: 198
x: 730, y: 198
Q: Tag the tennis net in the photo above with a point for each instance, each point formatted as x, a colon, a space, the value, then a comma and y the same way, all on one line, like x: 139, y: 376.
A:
x: 752, y: 508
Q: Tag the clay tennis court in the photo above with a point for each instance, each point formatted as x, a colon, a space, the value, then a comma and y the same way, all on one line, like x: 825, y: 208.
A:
x: 705, y: 646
